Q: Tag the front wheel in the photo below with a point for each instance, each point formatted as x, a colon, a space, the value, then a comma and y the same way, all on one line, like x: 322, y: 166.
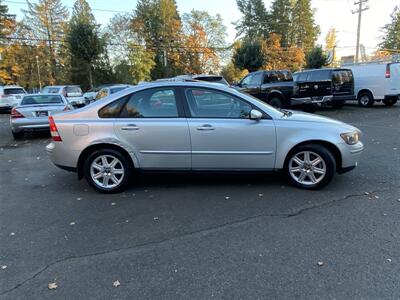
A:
x: 107, y: 170
x: 390, y: 102
x: 365, y: 99
x: 310, y: 167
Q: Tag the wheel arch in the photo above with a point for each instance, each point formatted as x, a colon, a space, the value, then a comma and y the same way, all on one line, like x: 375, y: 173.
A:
x: 362, y: 91
x: 279, y: 94
x: 90, y: 149
x: 328, y: 145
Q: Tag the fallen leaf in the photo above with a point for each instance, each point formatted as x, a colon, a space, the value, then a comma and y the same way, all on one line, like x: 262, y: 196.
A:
x: 12, y: 233
x: 389, y: 260
x: 320, y: 263
x: 260, y: 195
x: 72, y: 223
x: 79, y: 198
x: 116, y: 283
x: 376, y: 197
x: 52, y: 286
x: 112, y: 203
x: 155, y: 218
x: 227, y: 197
x: 38, y: 158
x: 4, y: 267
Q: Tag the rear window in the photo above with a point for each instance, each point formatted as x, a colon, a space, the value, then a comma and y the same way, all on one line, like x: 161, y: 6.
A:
x: 319, y: 75
x: 14, y: 91
x: 214, y: 79
x: 74, y: 89
x: 278, y: 76
x: 41, y: 99
x: 51, y: 90
x: 115, y: 90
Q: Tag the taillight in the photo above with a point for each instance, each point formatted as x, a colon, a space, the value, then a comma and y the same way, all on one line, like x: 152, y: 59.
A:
x: 15, y: 114
x: 387, y: 74
x: 54, y: 131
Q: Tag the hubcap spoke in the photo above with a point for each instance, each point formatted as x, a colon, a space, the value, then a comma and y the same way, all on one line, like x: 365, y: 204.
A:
x: 316, y: 161
x: 98, y: 175
x: 298, y: 160
x: 302, y: 177
x: 312, y: 177
x: 107, y: 175
x: 319, y: 171
x: 307, y: 157
x: 307, y: 168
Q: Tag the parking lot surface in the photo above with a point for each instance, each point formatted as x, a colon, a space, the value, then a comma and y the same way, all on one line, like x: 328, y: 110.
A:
x: 203, y: 236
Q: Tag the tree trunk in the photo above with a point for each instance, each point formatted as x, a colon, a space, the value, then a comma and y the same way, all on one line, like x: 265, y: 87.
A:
x: 90, y: 76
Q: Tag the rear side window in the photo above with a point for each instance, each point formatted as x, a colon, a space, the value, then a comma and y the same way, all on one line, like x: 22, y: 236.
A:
x: 13, y: 91
x: 51, y: 90
x: 74, y: 89
x: 152, y: 103
x: 42, y: 99
x: 342, y: 76
x: 113, y: 109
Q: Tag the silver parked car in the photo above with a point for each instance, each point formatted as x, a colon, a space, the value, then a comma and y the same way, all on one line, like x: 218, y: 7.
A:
x: 198, y: 126
x: 33, y: 111
x: 72, y: 93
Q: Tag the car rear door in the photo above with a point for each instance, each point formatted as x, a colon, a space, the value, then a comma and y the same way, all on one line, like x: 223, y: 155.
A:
x: 223, y: 137
x: 393, y: 79
x: 153, y: 124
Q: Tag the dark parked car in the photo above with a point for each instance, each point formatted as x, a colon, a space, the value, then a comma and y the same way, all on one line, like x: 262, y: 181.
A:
x: 332, y: 86
x: 272, y: 87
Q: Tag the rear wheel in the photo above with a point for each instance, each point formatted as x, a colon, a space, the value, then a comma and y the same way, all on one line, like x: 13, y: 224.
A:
x: 107, y: 170
x: 390, y: 102
x: 276, y: 102
x: 365, y: 99
x: 310, y: 166
x: 18, y: 135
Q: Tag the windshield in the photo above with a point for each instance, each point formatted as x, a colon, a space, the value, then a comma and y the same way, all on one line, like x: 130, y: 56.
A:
x: 42, y: 99
x: 51, y: 90
x: 14, y: 91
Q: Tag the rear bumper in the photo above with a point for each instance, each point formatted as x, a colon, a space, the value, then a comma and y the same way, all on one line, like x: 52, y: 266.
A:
x: 311, y: 100
x: 62, y: 156
x: 18, y: 125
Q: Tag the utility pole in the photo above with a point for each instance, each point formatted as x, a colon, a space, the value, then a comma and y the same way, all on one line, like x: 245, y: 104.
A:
x: 359, y: 11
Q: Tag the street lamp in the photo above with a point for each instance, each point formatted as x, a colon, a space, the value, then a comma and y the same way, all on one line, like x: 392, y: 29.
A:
x: 38, y: 72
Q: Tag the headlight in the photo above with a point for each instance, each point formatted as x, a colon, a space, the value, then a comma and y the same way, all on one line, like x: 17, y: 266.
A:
x: 351, y: 138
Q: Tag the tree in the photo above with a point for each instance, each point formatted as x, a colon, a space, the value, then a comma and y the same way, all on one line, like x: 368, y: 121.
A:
x: 305, y: 32
x: 391, y: 36
x: 316, y: 58
x: 46, y: 21
x: 83, y: 39
x: 158, y: 23
x: 233, y: 74
x: 205, y: 36
x: 7, y: 21
x: 281, y: 20
x: 331, y: 39
x: 254, y: 23
x: 250, y: 55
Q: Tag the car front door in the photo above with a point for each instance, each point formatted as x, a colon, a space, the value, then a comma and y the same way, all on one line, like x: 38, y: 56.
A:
x: 152, y: 123
x: 223, y: 137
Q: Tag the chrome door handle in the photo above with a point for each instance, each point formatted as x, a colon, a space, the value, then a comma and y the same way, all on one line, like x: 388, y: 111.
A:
x: 205, y: 127
x: 130, y: 127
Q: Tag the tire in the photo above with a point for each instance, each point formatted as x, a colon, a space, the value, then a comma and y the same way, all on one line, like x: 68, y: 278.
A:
x: 390, y: 102
x: 94, y: 165
x: 276, y: 102
x: 365, y: 99
x: 18, y: 135
x: 338, y: 104
x: 297, y: 165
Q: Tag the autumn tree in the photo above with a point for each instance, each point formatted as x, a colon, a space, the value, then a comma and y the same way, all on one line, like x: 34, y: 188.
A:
x: 84, y: 42
x: 46, y: 21
x: 254, y: 22
x: 391, y: 32
x: 205, y: 38
x: 281, y: 20
x: 304, y: 31
x: 158, y: 23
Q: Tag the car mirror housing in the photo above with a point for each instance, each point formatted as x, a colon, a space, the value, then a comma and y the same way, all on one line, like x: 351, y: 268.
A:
x: 255, y: 114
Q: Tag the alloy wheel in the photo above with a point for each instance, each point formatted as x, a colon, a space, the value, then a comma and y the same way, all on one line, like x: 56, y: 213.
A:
x: 307, y: 168
x: 107, y: 171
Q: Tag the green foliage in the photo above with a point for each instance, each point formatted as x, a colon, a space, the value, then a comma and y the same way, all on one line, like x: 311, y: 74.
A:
x: 254, y: 23
x: 316, y: 58
x: 83, y: 40
x: 281, y: 20
x: 233, y: 74
x: 391, y: 32
x: 305, y: 32
x: 250, y: 56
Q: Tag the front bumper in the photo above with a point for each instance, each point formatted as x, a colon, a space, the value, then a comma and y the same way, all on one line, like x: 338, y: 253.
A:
x: 350, y: 156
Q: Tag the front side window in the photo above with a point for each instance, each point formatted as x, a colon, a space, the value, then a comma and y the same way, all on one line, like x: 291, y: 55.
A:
x: 204, y: 103
x: 257, y: 78
x: 152, y: 103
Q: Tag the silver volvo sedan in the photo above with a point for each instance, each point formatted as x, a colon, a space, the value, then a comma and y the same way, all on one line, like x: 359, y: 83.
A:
x: 33, y: 111
x: 193, y: 126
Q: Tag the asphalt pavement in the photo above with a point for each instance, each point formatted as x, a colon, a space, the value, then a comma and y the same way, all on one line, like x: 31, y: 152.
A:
x: 203, y: 236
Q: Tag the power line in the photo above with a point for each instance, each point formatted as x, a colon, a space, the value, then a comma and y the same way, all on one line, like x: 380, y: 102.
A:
x: 359, y: 11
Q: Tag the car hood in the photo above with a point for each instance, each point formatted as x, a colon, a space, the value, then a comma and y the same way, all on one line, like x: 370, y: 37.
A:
x: 307, y: 117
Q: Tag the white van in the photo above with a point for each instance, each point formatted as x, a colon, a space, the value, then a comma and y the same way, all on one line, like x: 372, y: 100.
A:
x: 376, y: 82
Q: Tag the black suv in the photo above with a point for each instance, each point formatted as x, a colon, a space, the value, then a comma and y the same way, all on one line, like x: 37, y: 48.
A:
x: 332, y: 86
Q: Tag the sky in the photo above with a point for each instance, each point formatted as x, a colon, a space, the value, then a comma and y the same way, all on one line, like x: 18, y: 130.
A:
x: 328, y: 13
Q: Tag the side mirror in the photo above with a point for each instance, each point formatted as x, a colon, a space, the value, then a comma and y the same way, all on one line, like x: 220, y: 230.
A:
x: 255, y: 114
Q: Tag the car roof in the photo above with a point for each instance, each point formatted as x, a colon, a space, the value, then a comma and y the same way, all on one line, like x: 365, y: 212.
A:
x: 61, y: 86
x: 11, y: 87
